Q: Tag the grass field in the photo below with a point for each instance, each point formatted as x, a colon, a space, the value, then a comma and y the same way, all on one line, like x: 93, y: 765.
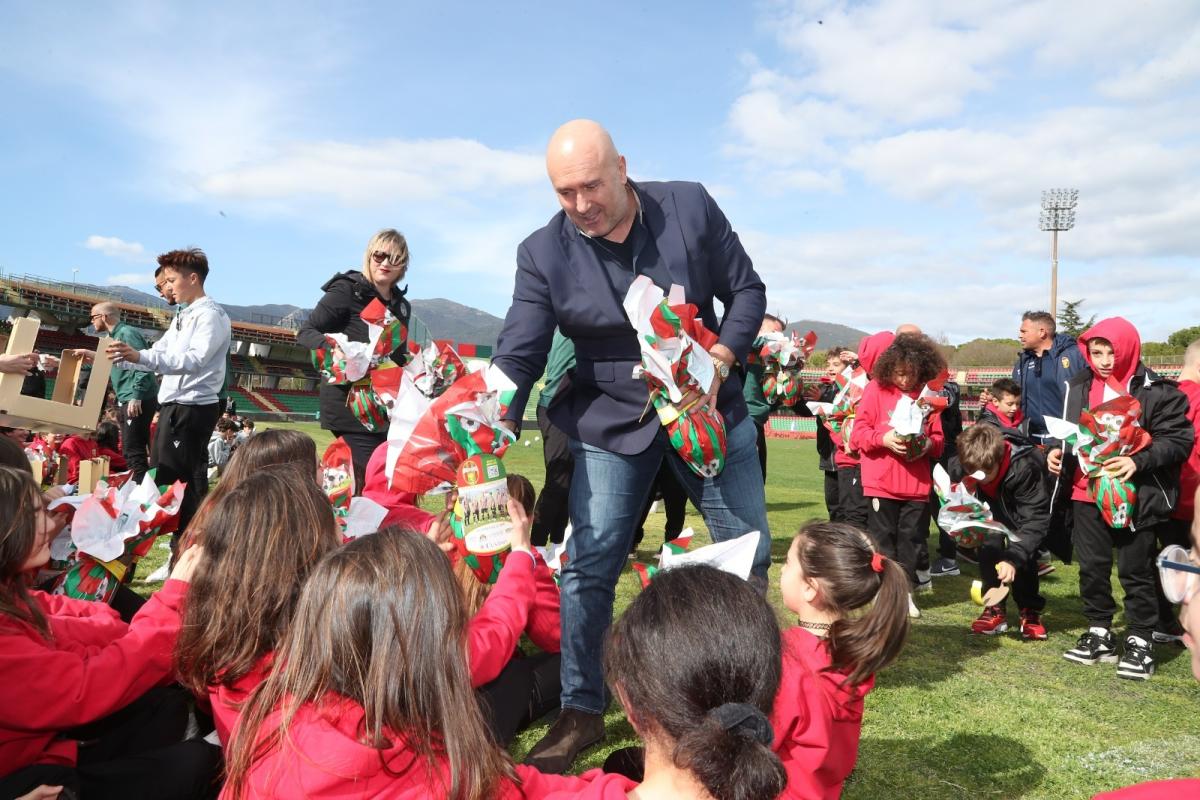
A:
x: 960, y: 716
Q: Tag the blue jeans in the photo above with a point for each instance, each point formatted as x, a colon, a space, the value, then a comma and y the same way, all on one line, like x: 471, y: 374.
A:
x: 608, y: 492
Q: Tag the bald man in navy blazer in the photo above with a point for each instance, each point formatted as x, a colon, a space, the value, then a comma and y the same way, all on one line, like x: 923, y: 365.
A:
x: 573, y: 274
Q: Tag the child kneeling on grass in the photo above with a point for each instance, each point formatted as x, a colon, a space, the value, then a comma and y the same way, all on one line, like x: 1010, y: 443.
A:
x: 83, y: 700
x: 1112, y: 349
x: 1013, y: 485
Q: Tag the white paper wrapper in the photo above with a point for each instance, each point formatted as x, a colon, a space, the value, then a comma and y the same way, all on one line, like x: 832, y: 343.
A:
x: 735, y: 556
x: 365, y: 517
x: 553, y: 553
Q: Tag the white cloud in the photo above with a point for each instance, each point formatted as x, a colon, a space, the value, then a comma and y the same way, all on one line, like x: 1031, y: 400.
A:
x: 130, y: 279
x: 378, y: 174
x: 114, y: 247
x: 952, y: 118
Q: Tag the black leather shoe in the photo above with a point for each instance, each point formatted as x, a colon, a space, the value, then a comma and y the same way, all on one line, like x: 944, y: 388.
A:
x: 573, y: 732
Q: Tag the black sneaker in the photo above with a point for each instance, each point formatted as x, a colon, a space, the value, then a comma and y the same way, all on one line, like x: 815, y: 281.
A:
x: 1138, y: 663
x: 1093, y: 647
x: 944, y: 568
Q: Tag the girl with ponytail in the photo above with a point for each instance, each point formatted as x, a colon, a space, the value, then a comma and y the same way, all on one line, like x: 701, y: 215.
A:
x: 695, y: 661
x: 851, y: 602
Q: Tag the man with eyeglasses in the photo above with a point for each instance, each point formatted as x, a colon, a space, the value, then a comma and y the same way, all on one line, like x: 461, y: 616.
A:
x: 136, y: 390
x: 191, y: 357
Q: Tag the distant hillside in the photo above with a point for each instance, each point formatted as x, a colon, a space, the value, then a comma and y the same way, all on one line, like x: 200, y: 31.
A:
x: 445, y: 319
x: 829, y: 334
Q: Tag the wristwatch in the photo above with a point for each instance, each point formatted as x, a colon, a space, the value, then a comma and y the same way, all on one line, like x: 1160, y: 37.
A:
x: 722, y: 369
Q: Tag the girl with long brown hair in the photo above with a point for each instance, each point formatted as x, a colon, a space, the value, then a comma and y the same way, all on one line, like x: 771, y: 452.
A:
x: 261, y: 538
x: 371, y: 693
x: 851, y: 602
x: 69, y: 666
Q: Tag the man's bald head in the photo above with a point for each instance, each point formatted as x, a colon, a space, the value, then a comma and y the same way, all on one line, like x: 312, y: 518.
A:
x: 588, y: 176
x: 105, y: 316
x: 908, y: 327
x: 579, y: 139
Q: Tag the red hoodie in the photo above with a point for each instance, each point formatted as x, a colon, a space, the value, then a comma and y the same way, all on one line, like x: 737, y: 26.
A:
x: 402, y: 506
x: 76, y: 449
x: 1189, y: 474
x: 524, y: 600
x: 1156, y: 790
x: 93, y: 665
x: 817, y: 719
x: 1127, y: 349
x: 869, y: 350
x: 602, y: 786
x: 884, y: 474
x: 324, y: 758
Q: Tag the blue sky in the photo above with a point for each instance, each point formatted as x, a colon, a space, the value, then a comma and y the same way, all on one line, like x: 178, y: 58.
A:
x: 883, y: 161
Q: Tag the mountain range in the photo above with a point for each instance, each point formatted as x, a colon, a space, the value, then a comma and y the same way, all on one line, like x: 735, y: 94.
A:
x: 447, y: 319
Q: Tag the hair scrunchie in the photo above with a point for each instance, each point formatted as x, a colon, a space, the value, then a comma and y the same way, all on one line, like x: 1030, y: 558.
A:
x: 877, y: 559
x: 744, y: 719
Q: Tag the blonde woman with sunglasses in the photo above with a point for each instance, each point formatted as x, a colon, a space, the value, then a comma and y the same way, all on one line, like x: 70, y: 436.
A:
x: 385, y: 264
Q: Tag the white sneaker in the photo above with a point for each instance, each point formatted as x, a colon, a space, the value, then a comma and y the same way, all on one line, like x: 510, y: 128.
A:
x: 913, y: 611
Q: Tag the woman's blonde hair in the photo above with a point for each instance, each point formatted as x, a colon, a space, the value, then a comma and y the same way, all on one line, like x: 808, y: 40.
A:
x: 388, y: 239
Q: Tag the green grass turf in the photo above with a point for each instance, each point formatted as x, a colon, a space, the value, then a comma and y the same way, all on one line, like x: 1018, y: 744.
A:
x: 957, y: 716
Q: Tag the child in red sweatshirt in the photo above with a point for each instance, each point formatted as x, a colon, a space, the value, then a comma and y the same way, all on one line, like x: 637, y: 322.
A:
x: 896, y: 474
x: 852, y: 505
x: 830, y: 658
x: 83, y: 702
x: 370, y: 693
x: 1112, y: 349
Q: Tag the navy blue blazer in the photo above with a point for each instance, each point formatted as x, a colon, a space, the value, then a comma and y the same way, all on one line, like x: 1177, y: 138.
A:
x: 560, y: 282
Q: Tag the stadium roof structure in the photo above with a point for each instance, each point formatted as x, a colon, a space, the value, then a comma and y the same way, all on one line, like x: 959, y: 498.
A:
x: 71, y: 305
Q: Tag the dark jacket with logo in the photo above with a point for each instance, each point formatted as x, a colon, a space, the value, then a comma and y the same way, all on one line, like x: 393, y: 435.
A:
x: 1164, y: 415
x: 1021, y: 503
x: 346, y: 295
x: 1043, y: 380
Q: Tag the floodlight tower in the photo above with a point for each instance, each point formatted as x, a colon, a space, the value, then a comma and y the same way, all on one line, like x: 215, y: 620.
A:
x: 1058, y: 214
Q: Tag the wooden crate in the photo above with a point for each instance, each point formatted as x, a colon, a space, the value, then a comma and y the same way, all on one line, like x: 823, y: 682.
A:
x: 59, y: 414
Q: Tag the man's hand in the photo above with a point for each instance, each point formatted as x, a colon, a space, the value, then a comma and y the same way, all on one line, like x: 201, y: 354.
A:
x: 1054, y: 461
x: 709, y: 398
x: 510, y: 425
x: 986, y: 397
x: 893, y: 442
x: 119, y: 352
x: 133, y: 409
x: 21, y: 364
x: 87, y: 355
x: 1006, y: 572
x: 1120, y: 468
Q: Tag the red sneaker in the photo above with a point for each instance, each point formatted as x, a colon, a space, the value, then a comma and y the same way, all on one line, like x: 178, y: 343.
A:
x: 1031, y: 625
x: 990, y: 622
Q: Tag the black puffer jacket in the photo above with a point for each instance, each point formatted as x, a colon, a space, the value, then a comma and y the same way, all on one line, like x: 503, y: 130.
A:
x: 1021, y: 504
x: 1164, y: 415
x: 346, y: 295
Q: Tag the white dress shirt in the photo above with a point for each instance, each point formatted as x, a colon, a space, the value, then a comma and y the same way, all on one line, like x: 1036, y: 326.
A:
x: 191, y: 355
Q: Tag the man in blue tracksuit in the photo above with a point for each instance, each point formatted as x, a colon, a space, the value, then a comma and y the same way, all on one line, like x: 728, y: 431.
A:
x: 1046, y: 363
